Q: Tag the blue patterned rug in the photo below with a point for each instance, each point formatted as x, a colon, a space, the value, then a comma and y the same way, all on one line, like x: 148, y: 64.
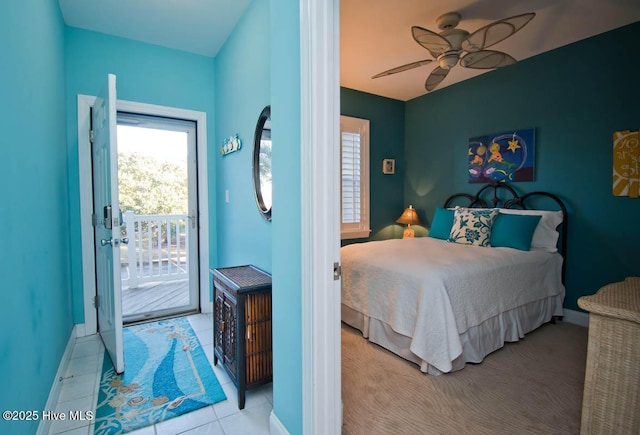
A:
x: 167, y: 374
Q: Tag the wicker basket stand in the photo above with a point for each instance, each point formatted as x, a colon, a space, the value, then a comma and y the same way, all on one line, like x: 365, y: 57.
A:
x: 611, y: 400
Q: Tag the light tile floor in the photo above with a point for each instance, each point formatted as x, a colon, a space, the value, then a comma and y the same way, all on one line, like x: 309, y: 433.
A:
x: 79, y: 392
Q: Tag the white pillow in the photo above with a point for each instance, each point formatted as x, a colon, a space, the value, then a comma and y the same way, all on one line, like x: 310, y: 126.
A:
x: 472, y: 226
x: 546, y: 235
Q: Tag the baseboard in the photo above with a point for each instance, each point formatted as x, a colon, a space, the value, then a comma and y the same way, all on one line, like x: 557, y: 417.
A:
x: 54, y: 393
x: 81, y: 330
x: 275, y: 426
x: 576, y: 317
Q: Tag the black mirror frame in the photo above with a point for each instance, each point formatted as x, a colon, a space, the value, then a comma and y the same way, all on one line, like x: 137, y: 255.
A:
x: 257, y: 189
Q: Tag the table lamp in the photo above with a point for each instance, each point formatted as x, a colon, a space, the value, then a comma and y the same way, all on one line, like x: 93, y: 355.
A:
x: 409, y: 217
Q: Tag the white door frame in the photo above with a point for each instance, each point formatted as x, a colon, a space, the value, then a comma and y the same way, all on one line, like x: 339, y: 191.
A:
x: 320, y: 131
x: 86, y: 199
x: 188, y: 128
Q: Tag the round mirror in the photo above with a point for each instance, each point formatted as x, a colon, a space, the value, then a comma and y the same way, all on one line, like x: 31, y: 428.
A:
x: 262, y: 163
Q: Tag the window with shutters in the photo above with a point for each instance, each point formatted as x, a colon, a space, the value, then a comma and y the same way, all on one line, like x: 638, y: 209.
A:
x: 354, y: 175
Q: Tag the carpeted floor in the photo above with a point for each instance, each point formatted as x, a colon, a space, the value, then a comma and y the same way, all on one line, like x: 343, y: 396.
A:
x: 533, y: 386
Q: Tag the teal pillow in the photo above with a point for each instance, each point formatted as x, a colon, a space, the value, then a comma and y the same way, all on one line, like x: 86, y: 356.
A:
x: 441, y: 224
x: 514, y: 231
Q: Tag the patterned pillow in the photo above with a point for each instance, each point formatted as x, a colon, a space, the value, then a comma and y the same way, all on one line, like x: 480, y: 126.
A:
x: 472, y: 227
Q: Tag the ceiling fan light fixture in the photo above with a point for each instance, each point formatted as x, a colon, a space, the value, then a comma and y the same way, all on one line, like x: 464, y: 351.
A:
x: 455, y: 37
x: 449, y: 59
x: 448, y: 20
x: 452, y: 46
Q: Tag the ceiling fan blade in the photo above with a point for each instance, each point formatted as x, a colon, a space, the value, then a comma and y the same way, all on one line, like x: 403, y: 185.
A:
x: 486, y: 59
x: 403, y: 68
x: 495, y: 32
x: 434, y: 79
x: 433, y: 42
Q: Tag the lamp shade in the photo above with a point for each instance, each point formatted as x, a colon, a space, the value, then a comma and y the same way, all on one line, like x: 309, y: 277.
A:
x: 409, y: 217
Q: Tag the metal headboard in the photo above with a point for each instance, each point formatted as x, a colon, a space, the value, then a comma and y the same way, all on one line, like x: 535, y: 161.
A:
x: 504, y: 196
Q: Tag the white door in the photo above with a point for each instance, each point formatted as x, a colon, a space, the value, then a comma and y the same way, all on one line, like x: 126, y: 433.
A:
x: 107, y: 221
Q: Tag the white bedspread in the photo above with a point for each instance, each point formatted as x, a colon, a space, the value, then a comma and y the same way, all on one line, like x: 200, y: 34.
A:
x: 432, y: 290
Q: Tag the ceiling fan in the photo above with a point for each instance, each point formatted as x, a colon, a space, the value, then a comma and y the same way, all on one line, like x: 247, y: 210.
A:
x: 452, y: 46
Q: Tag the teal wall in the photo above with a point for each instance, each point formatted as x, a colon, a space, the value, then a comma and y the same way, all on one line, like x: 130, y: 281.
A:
x: 146, y: 74
x: 575, y: 102
x: 242, y: 90
x: 34, y: 259
x: 286, y: 228
x: 386, y: 141
x: 259, y: 65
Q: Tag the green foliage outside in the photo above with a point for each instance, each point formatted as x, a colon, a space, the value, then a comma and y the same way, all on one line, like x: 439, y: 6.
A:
x: 151, y: 186
x: 148, y: 185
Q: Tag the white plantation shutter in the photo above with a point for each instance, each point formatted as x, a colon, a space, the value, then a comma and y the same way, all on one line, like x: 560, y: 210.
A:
x: 350, y: 177
x: 354, y: 172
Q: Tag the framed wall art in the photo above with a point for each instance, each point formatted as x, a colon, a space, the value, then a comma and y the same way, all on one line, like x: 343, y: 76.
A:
x: 626, y: 163
x: 389, y: 166
x: 506, y: 156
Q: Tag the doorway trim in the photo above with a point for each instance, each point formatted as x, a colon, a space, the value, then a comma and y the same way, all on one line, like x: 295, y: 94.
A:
x: 320, y: 130
x: 86, y: 199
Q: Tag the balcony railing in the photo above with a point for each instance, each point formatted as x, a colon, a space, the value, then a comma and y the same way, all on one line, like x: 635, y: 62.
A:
x: 157, y: 250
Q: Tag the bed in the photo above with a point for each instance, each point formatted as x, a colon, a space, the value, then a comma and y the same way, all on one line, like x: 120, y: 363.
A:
x: 449, y: 299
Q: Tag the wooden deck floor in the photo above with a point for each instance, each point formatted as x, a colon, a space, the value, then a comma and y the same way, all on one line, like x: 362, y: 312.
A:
x: 154, y: 296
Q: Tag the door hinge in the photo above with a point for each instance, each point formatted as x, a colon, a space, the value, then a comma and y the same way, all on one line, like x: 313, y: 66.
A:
x: 96, y: 301
x: 92, y: 136
x: 337, y: 271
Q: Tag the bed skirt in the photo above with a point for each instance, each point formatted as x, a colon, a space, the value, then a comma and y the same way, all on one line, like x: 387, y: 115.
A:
x: 477, y: 342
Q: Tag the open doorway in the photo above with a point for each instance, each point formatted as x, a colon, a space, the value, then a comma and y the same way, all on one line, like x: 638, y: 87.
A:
x: 157, y: 179
x: 87, y: 227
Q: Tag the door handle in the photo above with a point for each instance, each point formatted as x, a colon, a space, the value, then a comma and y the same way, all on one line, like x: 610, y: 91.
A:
x: 113, y: 242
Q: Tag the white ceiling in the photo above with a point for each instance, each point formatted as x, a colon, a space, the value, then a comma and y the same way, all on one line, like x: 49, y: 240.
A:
x: 375, y: 34
x: 196, y: 26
